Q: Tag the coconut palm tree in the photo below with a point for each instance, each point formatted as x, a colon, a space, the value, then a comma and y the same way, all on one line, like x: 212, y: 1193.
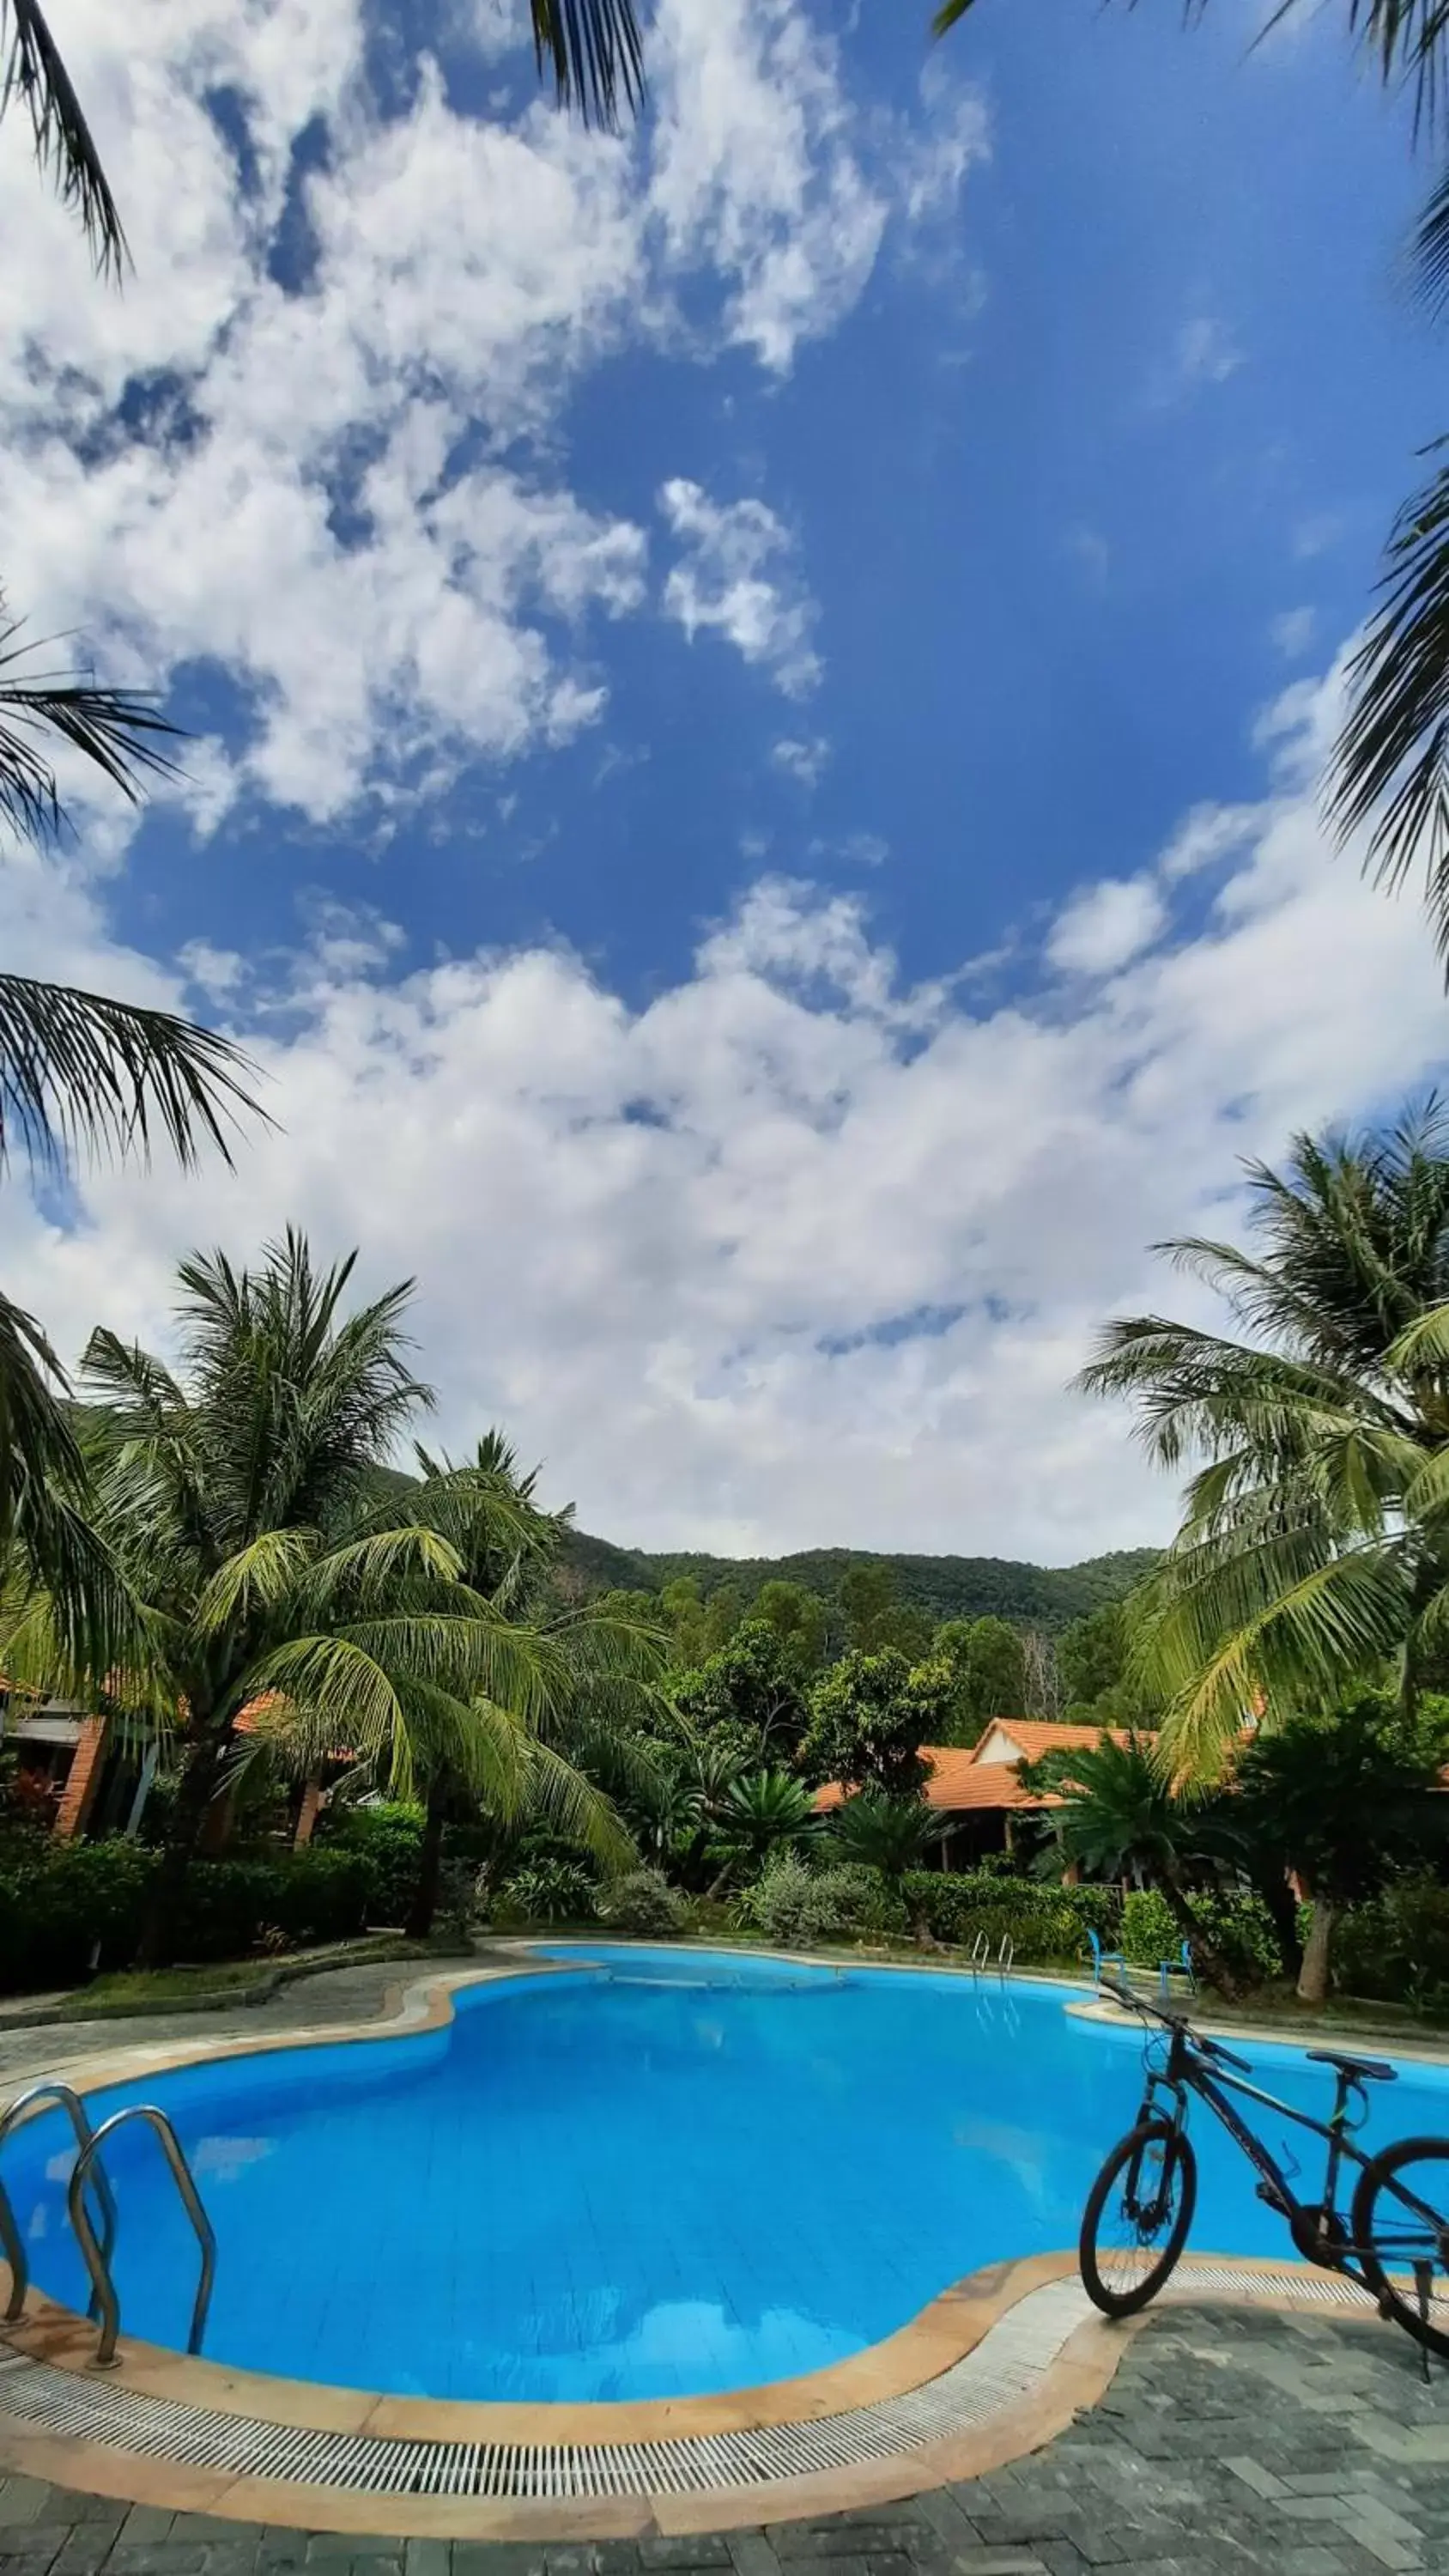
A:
x: 593, y: 1673
x: 235, y: 1500
x: 1315, y: 1536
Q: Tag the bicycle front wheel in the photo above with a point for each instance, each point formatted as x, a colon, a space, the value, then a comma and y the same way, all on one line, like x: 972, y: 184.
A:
x: 1401, y: 2236
x: 1138, y: 2213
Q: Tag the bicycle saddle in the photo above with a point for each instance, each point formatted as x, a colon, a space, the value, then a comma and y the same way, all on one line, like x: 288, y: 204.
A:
x: 1363, y: 2069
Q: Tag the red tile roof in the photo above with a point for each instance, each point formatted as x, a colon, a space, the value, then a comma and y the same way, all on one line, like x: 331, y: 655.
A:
x: 958, y: 1779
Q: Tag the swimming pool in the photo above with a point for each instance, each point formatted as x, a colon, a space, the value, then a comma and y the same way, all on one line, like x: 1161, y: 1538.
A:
x: 654, y: 2174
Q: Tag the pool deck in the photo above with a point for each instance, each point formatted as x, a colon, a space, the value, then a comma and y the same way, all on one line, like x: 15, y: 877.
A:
x: 1229, y: 2440
x: 958, y: 2405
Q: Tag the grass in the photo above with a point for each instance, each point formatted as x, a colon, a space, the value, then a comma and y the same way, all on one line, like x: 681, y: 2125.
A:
x: 239, y: 1981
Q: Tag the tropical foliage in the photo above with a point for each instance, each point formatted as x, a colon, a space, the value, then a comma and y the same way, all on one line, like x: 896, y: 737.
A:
x: 1314, y: 1546
x: 259, y: 1598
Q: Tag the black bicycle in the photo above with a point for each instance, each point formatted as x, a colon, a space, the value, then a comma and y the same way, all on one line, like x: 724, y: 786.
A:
x: 1394, y: 2238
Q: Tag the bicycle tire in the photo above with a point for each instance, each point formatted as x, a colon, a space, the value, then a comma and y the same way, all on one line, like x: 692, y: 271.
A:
x: 1374, y: 2236
x: 1125, y: 2164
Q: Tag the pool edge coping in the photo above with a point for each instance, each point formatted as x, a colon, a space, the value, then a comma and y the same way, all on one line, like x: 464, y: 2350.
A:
x: 1075, y: 2378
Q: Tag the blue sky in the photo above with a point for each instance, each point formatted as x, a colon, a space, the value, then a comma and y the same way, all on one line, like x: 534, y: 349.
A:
x: 757, y: 692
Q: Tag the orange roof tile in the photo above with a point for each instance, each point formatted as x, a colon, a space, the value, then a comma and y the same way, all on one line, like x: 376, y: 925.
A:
x: 958, y: 1779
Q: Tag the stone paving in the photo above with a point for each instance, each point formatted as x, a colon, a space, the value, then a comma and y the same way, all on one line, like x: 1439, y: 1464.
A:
x: 1229, y: 2440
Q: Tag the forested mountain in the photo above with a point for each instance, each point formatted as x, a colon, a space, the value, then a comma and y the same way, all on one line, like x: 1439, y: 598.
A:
x: 949, y: 1587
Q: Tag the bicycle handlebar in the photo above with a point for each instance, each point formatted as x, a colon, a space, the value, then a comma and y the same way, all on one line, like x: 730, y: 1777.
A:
x: 1149, y: 2011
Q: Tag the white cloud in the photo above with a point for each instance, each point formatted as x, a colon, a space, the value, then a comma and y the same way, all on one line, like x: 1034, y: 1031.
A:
x: 736, y: 576
x: 756, y: 172
x: 1092, y: 552
x: 1293, y: 632
x: 1106, y: 925
x: 1204, y: 352
x: 952, y: 137
x: 679, y: 1248
x: 1207, y: 353
x: 804, y: 761
x: 305, y: 484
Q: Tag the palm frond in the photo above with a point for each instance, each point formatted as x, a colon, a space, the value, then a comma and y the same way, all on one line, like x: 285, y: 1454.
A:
x: 366, y: 1572
x: 1390, y: 765
x: 79, y: 1070
x: 31, y: 69
x: 260, y: 1576
x: 119, y: 731
x: 38, y: 1448
x: 593, y: 48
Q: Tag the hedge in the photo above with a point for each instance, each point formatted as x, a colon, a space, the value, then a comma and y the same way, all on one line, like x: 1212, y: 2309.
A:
x: 58, y: 1900
x: 1395, y: 1947
x: 1240, y: 1926
x: 1045, y: 1924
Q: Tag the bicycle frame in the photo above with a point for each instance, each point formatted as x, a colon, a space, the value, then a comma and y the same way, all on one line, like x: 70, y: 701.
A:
x: 1315, y: 2225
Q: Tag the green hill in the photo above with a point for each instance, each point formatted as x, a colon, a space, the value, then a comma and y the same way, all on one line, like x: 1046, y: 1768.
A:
x: 949, y: 1587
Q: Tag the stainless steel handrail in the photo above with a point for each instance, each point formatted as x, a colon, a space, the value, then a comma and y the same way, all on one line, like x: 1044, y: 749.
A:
x: 1005, y: 1957
x: 75, y: 2110
x: 97, y: 2263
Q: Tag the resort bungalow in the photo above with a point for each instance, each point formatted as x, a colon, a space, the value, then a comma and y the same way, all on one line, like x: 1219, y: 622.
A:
x: 975, y: 1788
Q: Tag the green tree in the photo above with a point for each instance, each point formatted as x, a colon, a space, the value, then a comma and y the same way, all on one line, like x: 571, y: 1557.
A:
x: 1340, y: 1801
x: 1121, y: 1817
x: 749, y: 1693
x: 874, y: 1616
x: 868, y: 1717
x: 800, y: 1621
x: 989, y: 1662
x: 235, y: 1503
x: 1314, y: 1544
x: 1099, y: 1683
x: 682, y: 1605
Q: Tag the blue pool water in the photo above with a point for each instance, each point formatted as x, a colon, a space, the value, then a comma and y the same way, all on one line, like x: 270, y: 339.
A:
x: 661, y: 2174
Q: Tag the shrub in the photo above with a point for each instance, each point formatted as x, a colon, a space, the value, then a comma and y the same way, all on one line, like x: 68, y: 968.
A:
x: 551, y: 1891
x: 775, y: 1905
x: 1044, y: 1923
x: 642, y: 1901
x: 794, y: 1905
x: 320, y: 1894
x: 389, y: 1836
x: 851, y: 1898
x: 1239, y: 1925
x: 1394, y: 1948
x: 62, y: 1900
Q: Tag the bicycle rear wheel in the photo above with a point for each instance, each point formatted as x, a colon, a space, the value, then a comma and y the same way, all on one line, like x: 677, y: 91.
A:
x: 1138, y: 2213
x: 1400, y: 2223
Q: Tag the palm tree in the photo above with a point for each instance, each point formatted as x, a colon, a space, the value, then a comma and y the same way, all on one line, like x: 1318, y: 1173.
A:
x: 1122, y: 1817
x: 892, y: 1835
x: 1314, y: 1543
x: 235, y: 1501
x: 591, y: 1674
x: 765, y: 1811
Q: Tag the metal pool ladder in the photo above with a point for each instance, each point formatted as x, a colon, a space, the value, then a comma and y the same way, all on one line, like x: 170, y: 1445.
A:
x: 48, y: 2090
x: 97, y: 2250
x: 981, y: 1956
